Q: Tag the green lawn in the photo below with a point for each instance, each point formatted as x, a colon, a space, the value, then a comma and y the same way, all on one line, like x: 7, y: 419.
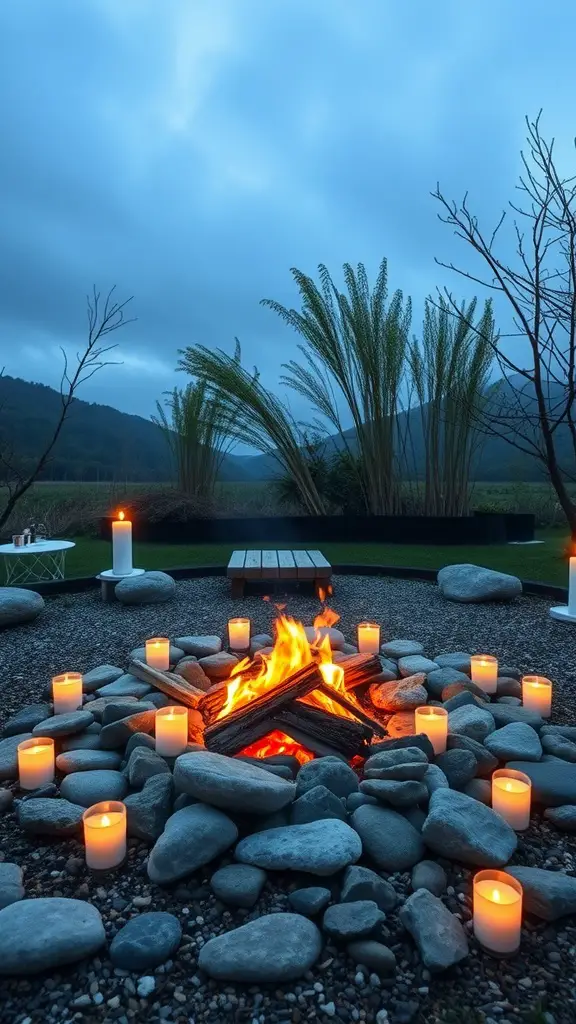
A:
x: 542, y: 562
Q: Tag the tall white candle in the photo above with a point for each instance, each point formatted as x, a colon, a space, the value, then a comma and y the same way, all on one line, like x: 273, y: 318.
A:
x: 35, y: 762
x: 105, y: 834
x: 171, y: 731
x: 239, y: 634
x: 497, y: 911
x: 121, y: 546
x: 572, y: 587
x: 158, y: 653
x: 67, y: 692
x: 537, y: 695
x: 368, y: 638
x: 484, y: 672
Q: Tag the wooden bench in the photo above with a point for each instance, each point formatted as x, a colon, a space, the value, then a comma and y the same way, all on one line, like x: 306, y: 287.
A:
x: 278, y: 565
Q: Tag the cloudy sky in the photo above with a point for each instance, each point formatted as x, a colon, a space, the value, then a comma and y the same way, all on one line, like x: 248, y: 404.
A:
x: 192, y: 151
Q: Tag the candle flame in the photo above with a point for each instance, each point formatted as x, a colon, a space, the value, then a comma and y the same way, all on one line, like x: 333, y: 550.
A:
x: 496, y: 895
x: 509, y: 787
x: 120, y: 515
x: 105, y: 821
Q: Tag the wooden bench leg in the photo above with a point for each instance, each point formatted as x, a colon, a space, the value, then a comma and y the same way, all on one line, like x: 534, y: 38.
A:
x: 237, y: 586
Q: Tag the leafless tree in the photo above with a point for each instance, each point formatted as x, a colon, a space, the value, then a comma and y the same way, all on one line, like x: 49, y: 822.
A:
x: 104, y: 317
x: 534, y: 407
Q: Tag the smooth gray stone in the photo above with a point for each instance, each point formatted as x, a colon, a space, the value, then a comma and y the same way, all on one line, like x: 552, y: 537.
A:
x: 310, y: 901
x: 274, y: 948
x: 316, y: 804
x: 392, y: 758
x: 553, y: 782
x: 567, y: 731
x: 509, y: 672
x: 485, y: 761
x: 100, y: 676
x: 564, y: 818
x: 238, y: 885
x: 401, y: 649
x: 461, y: 700
x: 465, y: 687
x: 547, y: 894
x: 516, y: 740
x: 401, y: 742
x: 158, y: 700
x: 438, y: 934
x: 148, y: 811
x: 388, y: 838
x: 118, y: 708
x: 87, y: 760
x: 479, y: 789
x: 146, y: 941
x: 150, y: 588
x: 9, y: 755
x: 231, y: 784
x: 320, y: 847
x: 87, y: 740
x: 64, y: 725
x: 176, y: 654
x: 435, y: 779
x: 356, y: 800
x: 117, y: 734
x: 471, y: 721
x: 199, y: 646
x: 414, y: 663
x: 511, y: 701
x: 459, y: 767
x: 356, y: 920
x: 139, y: 739
x: 374, y: 955
x: 460, y: 828
x: 192, y: 837
x: 458, y: 660
x: 218, y: 666
x: 504, y: 715
x: 331, y: 772
x: 415, y: 816
x: 472, y: 583
x: 361, y: 883
x: 49, y: 789
x: 90, y: 787
x: 406, y: 772
x: 396, y: 794
x: 429, y: 875
x: 25, y: 719
x: 11, y: 888
x: 400, y: 694
x: 43, y: 934
x: 126, y: 686
x: 437, y: 680
x: 143, y: 764
x: 559, y: 746
x: 47, y: 817
x: 506, y: 686
x: 18, y: 606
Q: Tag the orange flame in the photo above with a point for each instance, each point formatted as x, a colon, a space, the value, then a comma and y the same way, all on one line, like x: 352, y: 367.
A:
x: 121, y: 516
x: 277, y: 742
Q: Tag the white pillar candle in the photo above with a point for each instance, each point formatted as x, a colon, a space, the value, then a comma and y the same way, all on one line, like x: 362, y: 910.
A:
x: 537, y: 695
x: 158, y: 653
x: 67, y: 692
x: 572, y: 586
x: 433, y: 722
x: 171, y: 731
x: 511, y: 797
x: 239, y: 634
x: 497, y: 911
x: 121, y: 546
x: 105, y: 834
x: 484, y: 671
x: 36, y: 762
x: 368, y: 638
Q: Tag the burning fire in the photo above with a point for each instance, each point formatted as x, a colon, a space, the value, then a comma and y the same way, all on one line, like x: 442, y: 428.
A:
x: 277, y: 742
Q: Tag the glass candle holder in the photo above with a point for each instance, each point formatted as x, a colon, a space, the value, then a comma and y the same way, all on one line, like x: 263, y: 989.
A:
x: 497, y: 911
x: 239, y: 634
x: 105, y: 835
x: 433, y: 722
x: 36, y: 762
x: 484, y: 672
x: 537, y: 695
x: 67, y: 692
x: 368, y: 638
x: 171, y: 731
x: 332, y: 674
x: 158, y: 653
x: 511, y: 797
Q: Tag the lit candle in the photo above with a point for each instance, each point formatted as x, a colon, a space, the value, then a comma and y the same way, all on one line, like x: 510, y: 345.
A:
x: 121, y: 546
x: 511, y: 796
x: 171, y: 731
x: 332, y: 674
x: 105, y: 834
x: 158, y: 653
x: 36, y: 762
x: 368, y: 638
x: 433, y: 722
x: 239, y: 634
x: 67, y: 692
x: 497, y: 911
x: 537, y: 695
x: 484, y: 671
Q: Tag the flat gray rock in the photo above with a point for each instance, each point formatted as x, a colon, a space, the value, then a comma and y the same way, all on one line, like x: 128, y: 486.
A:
x: 460, y: 828
x: 471, y: 721
x: 90, y: 787
x: 361, y: 883
x: 507, y: 686
x: 479, y: 789
x: 43, y: 934
x: 400, y: 695
x: 148, y: 811
x: 439, y: 935
x: 468, y: 584
x: 459, y: 767
x: 117, y: 734
x: 64, y: 725
x: 316, y: 804
x: 567, y: 731
x: 559, y: 746
x: 310, y: 901
x: 319, y: 848
x: 97, y: 706
x: 485, y: 761
x: 428, y: 874
x: 388, y: 838
x: 512, y: 701
x: 346, y: 921
x: 146, y: 941
x: 218, y: 666
x: 415, y: 663
x: 25, y: 719
x: 459, y: 660
x: 547, y: 894
x: 117, y: 708
x: 238, y: 885
x: 175, y: 654
x: 462, y: 699
x: 563, y: 818
x: 503, y: 714
x: 87, y: 740
x: 100, y: 676
x: 274, y: 948
x: 402, y: 772
x: 401, y: 649
x: 143, y: 764
x: 192, y: 837
x: 231, y: 784
x: 149, y: 588
x: 199, y: 646
x: 440, y: 678
x: 193, y: 673
x: 11, y: 888
x: 420, y: 740
x: 374, y: 955
x: 394, y: 757
x: 126, y: 686
x: 47, y: 817
x: 9, y: 755
x: 515, y: 740
x: 87, y: 760
x: 553, y: 782
x: 394, y: 793
x: 18, y: 606
x: 435, y: 779
x: 331, y: 772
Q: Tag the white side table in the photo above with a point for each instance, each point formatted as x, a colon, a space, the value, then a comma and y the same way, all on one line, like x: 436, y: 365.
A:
x: 34, y: 563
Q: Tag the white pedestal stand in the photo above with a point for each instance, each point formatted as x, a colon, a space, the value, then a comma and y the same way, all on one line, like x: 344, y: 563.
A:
x: 563, y: 613
x: 109, y: 579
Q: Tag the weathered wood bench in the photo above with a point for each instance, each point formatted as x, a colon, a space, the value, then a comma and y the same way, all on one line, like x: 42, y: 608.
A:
x: 278, y: 565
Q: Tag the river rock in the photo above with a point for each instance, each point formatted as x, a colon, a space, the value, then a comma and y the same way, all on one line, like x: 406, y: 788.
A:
x: 82, y: 760
x: 231, y: 784
x: 9, y: 755
x: 46, y: 817
x: 18, y: 606
x: 567, y: 731
x: 471, y: 721
x: 461, y: 700
x: 98, y: 706
x: 388, y: 838
x: 25, y: 719
x: 148, y: 811
x: 387, y: 759
x: 458, y: 660
x: 126, y: 686
x: 347, y: 921
x: 468, y: 584
x: 440, y: 678
x: 149, y: 588
x: 146, y: 941
x: 192, y: 837
x: 402, y: 772
x: 100, y: 676
x: 460, y: 828
x: 559, y: 746
x: 199, y: 646
x: 435, y: 779
x: 320, y: 847
x: 331, y: 772
x: 117, y: 734
x: 402, y: 695
x: 547, y: 894
x: 310, y: 901
x: 358, y: 800
x: 87, y: 740
x: 274, y: 948
x: 564, y: 818
x: 428, y: 874
x: 459, y: 766
x: 11, y: 888
x: 361, y: 883
x: 143, y: 764
x: 439, y: 935
x: 516, y: 740
x: 506, y: 686
x: 485, y: 761
x: 218, y: 666
x: 553, y: 782
x: 374, y: 955
x: 238, y: 885
x: 401, y: 649
x: 194, y: 674
x: 479, y: 789
x: 64, y: 725
x: 44, y: 934
x: 90, y: 787
x: 503, y: 714
x: 396, y: 794
x: 316, y: 804
x: 118, y: 708
x: 415, y: 664
x: 419, y: 740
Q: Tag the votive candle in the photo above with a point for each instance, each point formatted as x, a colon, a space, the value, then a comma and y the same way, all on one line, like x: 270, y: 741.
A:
x: 433, y: 722
x: 121, y: 546
x: 158, y: 653
x: 537, y: 695
x: 105, y: 834
x: 497, y: 911
x: 511, y: 797
x: 67, y: 692
x: 332, y: 674
x: 36, y: 762
x: 484, y: 672
x: 368, y: 638
x: 171, y: 731
x: 239, y: 634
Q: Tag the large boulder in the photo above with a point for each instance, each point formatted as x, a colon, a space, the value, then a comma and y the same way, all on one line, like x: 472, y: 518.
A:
x: 43, y: 934
x: 460, y: 828
x: 18, y: 605
x: 471, y: 584
x: 149, y: 588
x: 317, y: 848
x: 193, y: 837
x: 231, y: 784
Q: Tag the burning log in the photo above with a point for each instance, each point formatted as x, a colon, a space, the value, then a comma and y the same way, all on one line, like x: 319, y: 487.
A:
x: 360, y: 669
x: 172, y: 685
x: 342, y: 735
x: 352, y: 708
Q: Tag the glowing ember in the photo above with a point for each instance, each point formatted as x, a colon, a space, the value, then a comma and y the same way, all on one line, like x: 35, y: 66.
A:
x: 277, y: 742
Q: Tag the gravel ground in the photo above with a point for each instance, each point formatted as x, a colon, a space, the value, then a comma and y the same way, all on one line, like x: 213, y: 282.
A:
x: 79, y: 632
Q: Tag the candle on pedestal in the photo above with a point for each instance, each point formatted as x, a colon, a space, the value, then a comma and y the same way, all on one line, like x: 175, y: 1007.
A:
x: 511, y: 797
x: 332, y: 674
x: 537, y: 695
x: 497, y: 911
x: 35, y: 762
x: 484, y: 671
x: 368, y: 638
x: 105, y: 834
x: 67, y: 692
x: 239, y: 634
x: 171, y: 731
x: 158, y: 653
x: 433, y: 722
x: 121, y: 546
